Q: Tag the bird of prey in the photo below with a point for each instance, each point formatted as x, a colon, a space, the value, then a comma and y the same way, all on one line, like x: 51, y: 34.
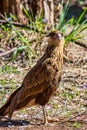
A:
x: 41, y: 82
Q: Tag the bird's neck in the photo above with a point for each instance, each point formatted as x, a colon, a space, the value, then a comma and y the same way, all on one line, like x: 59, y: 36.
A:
x: 56, y: 55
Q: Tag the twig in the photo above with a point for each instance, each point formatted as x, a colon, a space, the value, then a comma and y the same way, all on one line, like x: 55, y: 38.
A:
x: 15, y: 23
x: 71, y: 119
x: 8, y: 52
x: 79, y: 121
x: 3, y: 16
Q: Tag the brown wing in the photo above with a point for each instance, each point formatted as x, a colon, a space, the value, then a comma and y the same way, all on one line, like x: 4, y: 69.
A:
x: 36, y: 81
x: 36, y: 76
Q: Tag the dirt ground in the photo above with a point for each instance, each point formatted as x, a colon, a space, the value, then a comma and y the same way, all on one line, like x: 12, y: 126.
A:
x: 67, y: 104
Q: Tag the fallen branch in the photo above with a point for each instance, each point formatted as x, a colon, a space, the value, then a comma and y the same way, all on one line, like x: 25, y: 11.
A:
x: 82, y: 43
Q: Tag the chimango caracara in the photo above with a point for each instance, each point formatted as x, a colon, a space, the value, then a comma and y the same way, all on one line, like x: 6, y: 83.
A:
x: 41, y: 81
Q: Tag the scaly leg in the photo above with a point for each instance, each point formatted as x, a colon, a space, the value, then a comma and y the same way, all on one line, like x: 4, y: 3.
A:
x: 48, y: 119
x: 45, y: 115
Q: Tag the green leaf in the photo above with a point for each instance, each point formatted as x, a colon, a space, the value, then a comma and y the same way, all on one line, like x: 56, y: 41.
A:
x: 81, y: 16
x: 76, y: 124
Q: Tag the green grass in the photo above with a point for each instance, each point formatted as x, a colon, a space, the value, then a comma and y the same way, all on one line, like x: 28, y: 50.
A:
x: 8, y: 69
x: 62, y: 24
x: 77, y: 25
x: 76, y: 124
x: 36, y: 23
x: 26, y: 45
x: 3, y: 82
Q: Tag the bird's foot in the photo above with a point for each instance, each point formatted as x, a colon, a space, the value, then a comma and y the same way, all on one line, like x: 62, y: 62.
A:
x: 52, y: 119
x: 48, y: 119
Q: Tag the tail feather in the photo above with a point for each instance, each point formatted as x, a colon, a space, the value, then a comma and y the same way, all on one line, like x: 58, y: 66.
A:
x: 4, y: 110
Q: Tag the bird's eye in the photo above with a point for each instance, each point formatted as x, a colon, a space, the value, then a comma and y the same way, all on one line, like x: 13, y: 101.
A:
x: 55, y: 36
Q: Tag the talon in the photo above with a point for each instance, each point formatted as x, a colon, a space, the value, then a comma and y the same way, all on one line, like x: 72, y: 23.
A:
x: 52, y: 119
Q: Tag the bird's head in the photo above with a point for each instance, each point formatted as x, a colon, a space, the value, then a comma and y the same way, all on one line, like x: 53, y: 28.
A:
x: 55, y: 38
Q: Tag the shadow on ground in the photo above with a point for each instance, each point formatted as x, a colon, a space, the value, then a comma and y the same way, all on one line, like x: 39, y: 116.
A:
x: 7, y: 123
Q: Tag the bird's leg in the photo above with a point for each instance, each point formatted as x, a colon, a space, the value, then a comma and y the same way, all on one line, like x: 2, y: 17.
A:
x: 45, y: 115
x: 47, y: 118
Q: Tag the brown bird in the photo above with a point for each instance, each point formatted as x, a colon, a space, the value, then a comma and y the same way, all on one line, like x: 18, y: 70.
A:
x: 41, y: 81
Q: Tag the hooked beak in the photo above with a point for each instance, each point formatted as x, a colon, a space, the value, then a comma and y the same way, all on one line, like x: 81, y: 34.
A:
x: 60, y: 36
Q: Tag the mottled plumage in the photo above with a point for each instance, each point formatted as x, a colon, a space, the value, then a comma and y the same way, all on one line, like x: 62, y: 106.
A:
x: 41, y: 81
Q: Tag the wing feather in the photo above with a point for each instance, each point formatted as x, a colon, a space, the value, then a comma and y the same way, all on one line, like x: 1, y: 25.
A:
x: 36, y: 81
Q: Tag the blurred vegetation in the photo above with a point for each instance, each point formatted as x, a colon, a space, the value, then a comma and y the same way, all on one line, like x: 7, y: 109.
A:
x: 39, y: 23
